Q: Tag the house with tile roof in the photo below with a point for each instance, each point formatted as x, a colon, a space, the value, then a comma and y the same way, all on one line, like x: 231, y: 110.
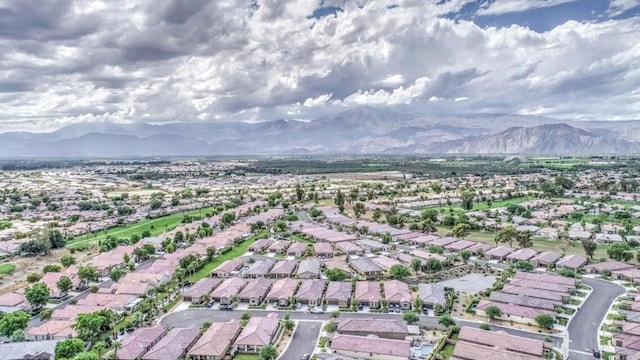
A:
x: 134, y: 346
x: 217, y: 342
x: 174, y: 345
x: 259, y: 332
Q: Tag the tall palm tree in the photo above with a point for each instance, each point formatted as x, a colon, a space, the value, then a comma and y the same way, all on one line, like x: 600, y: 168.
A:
x: 116, y: 345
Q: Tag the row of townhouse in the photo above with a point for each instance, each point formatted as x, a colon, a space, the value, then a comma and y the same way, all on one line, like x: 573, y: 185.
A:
x: 220, y: 340
x: 528, y: 295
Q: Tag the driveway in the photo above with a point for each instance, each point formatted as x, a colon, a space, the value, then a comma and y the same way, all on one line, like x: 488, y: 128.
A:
x: 583, y: 329
x: 303, y: 341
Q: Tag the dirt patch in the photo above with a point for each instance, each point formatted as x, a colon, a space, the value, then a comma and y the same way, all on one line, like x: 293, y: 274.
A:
x: 471, y: 283
x: 284, y: 341
x: 28, y: 265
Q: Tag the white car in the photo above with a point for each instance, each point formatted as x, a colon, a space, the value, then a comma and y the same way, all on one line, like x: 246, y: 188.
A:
x: 316, y: 311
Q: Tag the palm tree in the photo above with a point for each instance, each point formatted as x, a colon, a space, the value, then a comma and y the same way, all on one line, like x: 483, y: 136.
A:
x: 289, y: 325
x: 137, y: 319
x: 493, y: 312
x: 268, y: 352
x: 116, y: 345
x: 100, y: 348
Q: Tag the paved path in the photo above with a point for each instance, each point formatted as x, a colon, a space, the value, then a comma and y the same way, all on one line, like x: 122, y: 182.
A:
x: 584, y: 327
x: 304, y: 216
x: 303, y: 341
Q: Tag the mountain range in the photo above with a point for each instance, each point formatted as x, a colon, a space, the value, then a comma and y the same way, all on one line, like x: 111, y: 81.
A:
x: 359, y: 131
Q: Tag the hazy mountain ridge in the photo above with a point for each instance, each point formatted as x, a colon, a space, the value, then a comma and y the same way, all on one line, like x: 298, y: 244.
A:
x: 362, y: 130
x: 542, y: 139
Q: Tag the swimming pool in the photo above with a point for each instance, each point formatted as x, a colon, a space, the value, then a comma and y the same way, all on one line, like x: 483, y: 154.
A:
x: 423, y: 351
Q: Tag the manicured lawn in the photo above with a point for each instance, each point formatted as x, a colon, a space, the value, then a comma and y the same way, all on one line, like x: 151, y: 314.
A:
x: 173, y: 303
x: 447, y: 351
x: 301, y: 239
x: 155, y: 226
x: 246, y: 357
x: 6, y: 269
x: 234, y: 253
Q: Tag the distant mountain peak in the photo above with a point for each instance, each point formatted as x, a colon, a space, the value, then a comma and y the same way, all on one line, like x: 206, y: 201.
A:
x: 556, y: 138
x: 359, y: 130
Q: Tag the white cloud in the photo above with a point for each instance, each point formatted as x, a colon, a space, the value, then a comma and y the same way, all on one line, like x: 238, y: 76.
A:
x: 619, y: 7
x: 399, y: 96
x: 319, y: 101
x: 218, y: 59
x: 500, y: 7
x: 392, y: 80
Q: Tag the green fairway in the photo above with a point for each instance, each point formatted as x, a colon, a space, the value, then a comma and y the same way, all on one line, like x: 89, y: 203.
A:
x: 6, y: 269
x: 481, y: 206
x: 155, y: 226
x: 234, y: 253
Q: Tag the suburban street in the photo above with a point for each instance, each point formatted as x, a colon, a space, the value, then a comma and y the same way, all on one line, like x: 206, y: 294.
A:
x: 190, y: 317
x: 583, y: 329
x: 304, y: 340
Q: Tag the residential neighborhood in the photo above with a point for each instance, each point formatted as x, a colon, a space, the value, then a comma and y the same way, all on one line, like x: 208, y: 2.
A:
x: 245, y: 274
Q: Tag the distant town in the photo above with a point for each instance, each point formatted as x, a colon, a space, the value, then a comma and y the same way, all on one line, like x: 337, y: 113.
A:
x: 321, y: 258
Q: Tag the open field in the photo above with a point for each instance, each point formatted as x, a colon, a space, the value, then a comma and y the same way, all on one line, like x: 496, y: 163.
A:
x: 237, y: 250
x: 155, y: 226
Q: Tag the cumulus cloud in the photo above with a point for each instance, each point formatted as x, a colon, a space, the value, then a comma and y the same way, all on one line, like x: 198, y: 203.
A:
x: 499, y: 7
x: 67, y: 61
x: 319, y: 101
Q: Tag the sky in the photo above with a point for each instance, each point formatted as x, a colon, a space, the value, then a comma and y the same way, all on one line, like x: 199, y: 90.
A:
x: 78, y: 61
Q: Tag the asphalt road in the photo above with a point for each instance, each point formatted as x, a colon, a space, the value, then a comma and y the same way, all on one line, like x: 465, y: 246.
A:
x: 190, y: 317
x: 583, y: 329
x: 303, y: 341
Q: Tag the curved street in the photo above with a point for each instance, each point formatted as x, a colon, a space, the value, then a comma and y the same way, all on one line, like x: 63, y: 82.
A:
x: 303, y: 341
x: 583, y: 328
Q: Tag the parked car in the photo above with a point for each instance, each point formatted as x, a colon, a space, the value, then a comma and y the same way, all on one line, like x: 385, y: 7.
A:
x: 305, y: 357
x: 316, y: 311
